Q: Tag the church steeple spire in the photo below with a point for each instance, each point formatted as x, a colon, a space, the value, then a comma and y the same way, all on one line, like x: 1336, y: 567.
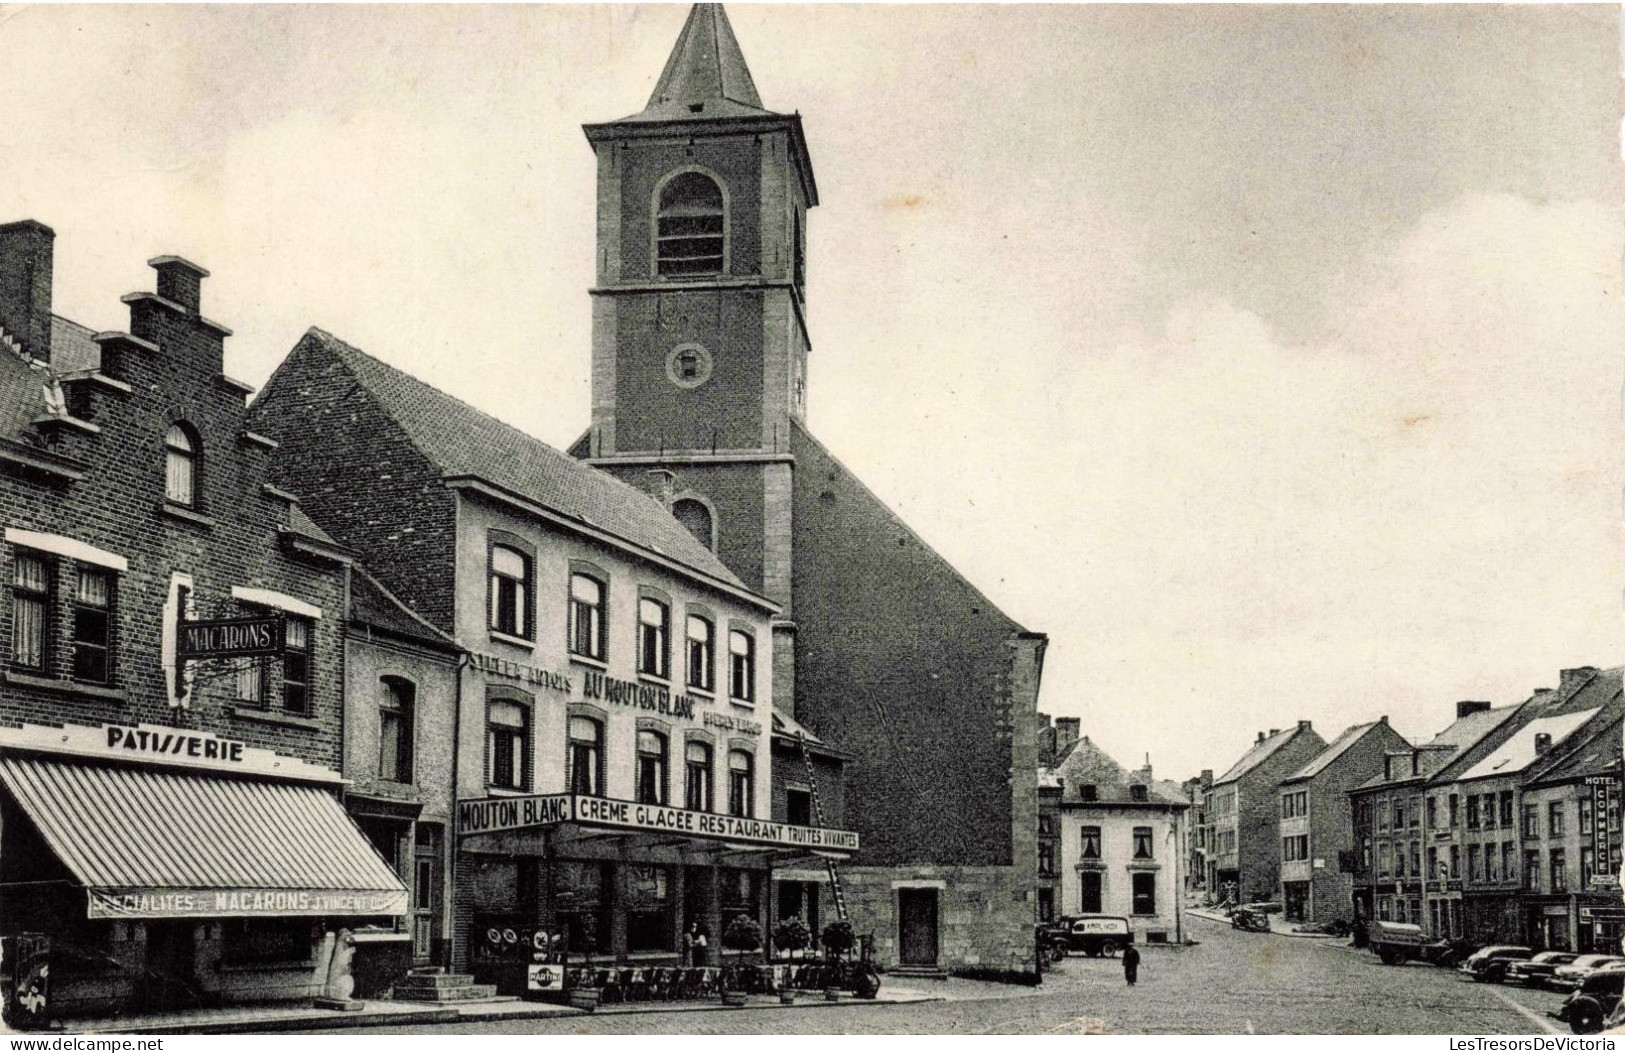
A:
x: 706, y: 75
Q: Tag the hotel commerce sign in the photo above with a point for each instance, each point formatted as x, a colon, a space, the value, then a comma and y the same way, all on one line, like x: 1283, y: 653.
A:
x: 487, y: 815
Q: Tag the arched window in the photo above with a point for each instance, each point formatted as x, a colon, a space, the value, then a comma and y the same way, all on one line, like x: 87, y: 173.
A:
x: 741, y: 666
x: 697, y: 519
x: 741, y: 783
x: 651, y: 787
x: 701, y: 653
x: 697, y: 792
x: 584, y: 772
x: 395, y: 721
x: 654, y: 638
x: 507, y: 735
x: 510, y: 592
x: 586, y: 617
x: 180, y: 465
x: 689, y: 229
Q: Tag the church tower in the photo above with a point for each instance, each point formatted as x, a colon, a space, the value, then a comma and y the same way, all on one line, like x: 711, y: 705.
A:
x: 699, y: 337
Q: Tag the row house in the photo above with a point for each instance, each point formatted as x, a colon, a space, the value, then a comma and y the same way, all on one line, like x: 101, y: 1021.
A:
x: 1244, y: 855
x: 1121, y: 843
x: 1316, y: 831
x: 176, y: 632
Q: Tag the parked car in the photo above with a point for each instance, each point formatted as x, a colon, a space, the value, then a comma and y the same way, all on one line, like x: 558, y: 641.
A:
x: 1090, y: 934
x: 1539, y: 969
x: 1488, y: 965
x: 1588, y: 1008
x: 1569, y: 977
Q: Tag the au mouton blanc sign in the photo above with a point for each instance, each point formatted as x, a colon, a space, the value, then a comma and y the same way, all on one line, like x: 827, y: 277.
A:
x: 487, y: 815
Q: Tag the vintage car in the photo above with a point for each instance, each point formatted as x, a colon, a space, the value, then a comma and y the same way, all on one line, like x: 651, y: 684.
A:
x: 1588, y: 1008
x: 1488, y: 965
x: 1569, y: 977
x: 1091, y: 934
x: 1539, y: 969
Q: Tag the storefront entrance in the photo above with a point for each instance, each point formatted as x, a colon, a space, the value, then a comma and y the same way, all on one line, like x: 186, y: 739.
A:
x: 168, y: 980
x: 1297, y: 899
x: 917, y: 926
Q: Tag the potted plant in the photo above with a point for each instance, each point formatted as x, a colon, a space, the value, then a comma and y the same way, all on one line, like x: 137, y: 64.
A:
x: 838, y: 941
x: 586, y: 997
x: 743, y: 934
x: 790, y: 936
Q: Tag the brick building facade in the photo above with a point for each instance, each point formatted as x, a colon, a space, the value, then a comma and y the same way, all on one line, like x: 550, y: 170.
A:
x: 135, y: 498
x: 700, y: 353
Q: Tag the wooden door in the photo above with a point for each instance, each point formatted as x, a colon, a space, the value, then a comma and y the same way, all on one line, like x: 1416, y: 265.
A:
x: 917, y: 925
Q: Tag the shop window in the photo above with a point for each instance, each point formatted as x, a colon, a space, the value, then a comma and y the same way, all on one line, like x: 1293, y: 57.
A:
x: 259, y: 941
x: 507, y: 740
x: 579, y: 894
x: 296, y: 662
x: 654, y: 638
x: 690, y: 227
x: 1145, y: 894
x: 587, y: 637
x: 651, y: 787
x: 1142, y: 842
x: 651, y: 915
x: 510, y: 592
x: 739, y: 891
x: 30, y: 609
x: 741, y: 784
x: 741, y: 666
x: 584, y: 772
x: 1089, y: 898
x: 1091, y: 842
x: 798, y: 807
x: 697, y: 777
x: 181, y: 454
x: 395, y: 725
x: 702, y: 653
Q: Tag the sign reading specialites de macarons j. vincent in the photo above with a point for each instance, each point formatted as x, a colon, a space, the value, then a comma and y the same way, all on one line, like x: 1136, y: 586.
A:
x: 241, y: 902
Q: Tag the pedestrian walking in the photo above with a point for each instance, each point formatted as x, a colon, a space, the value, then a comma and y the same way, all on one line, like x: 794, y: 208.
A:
x: 1131, y: 964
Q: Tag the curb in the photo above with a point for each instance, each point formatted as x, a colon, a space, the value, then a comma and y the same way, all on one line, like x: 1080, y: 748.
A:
x: 630, y: 1009
x: 1210, y: 916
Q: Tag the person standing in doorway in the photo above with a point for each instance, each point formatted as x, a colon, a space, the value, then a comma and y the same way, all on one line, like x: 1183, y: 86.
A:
x: 1131, y: 964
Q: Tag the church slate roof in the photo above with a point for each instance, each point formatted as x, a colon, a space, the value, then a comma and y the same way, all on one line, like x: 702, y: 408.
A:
x: 464, y: 442
x: 705, y: 76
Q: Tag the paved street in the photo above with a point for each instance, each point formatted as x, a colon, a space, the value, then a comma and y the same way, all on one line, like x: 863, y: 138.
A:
x: 1230, y: 982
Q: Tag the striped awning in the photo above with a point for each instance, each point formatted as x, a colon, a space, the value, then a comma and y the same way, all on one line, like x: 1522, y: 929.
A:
x: 150, y: 843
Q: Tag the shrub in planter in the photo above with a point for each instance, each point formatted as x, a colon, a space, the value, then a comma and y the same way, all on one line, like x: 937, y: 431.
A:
x: 791, y: 935
x: 743, y: 935
x: 838, y: 939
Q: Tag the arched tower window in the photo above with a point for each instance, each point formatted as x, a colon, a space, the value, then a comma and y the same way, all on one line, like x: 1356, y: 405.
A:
x: 697, y: 519
x: 689, y: 227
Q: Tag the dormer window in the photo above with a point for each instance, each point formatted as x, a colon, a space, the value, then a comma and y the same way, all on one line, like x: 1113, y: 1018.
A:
x: 690, y: 227
x: 1087, y: 792
x: 180, y: 466
x: 1138, y: 792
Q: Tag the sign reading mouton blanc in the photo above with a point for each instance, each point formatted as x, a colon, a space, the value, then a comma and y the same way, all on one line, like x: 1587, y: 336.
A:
x: 487, y: 815
x: 230, y: 638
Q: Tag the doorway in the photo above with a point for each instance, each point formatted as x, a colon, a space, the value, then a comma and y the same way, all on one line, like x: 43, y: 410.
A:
x: 917, y: 925
x: 168, y: 982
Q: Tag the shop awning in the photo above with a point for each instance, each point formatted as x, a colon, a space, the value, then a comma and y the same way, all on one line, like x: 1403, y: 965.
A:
x: 163, y: 844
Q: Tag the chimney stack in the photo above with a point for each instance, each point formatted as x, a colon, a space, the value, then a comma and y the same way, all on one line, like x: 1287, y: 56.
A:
x: 180, y: 281
x: 1543, y: 742
x: 1260, y: 736
x: 1467, y: 709
x: 1305, y: 725
x: 1274, y: 732
x: 26, y: 252
x: 1066, y: 731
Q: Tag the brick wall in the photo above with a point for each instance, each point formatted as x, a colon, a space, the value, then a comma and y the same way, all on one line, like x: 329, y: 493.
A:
x: 360, y: 477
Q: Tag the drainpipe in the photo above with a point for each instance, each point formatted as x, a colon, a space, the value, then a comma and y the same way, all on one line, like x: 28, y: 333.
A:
x: 449, y: 909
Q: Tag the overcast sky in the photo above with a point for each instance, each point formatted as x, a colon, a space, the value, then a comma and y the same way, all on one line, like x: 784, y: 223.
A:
x: 1267, y: 359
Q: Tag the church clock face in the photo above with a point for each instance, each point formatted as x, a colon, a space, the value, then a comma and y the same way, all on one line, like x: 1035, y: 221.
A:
x: 688, y: 365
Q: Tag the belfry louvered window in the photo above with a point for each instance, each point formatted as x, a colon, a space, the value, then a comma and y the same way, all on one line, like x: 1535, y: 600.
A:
x: 689, y: 230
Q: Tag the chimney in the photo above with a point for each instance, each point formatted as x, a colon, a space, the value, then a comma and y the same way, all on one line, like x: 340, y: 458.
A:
x: 1305, y: 725
x: 25, y: 286
x: 1207, y: 776
x: 1467, y: 709
x: 1274, y: 732
x: 1066, y: 731
x: 180, y: 281
x: 1543, y: 741
x: 1572, y: 678
x: 1260, y: 736
x: 664, y: 483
